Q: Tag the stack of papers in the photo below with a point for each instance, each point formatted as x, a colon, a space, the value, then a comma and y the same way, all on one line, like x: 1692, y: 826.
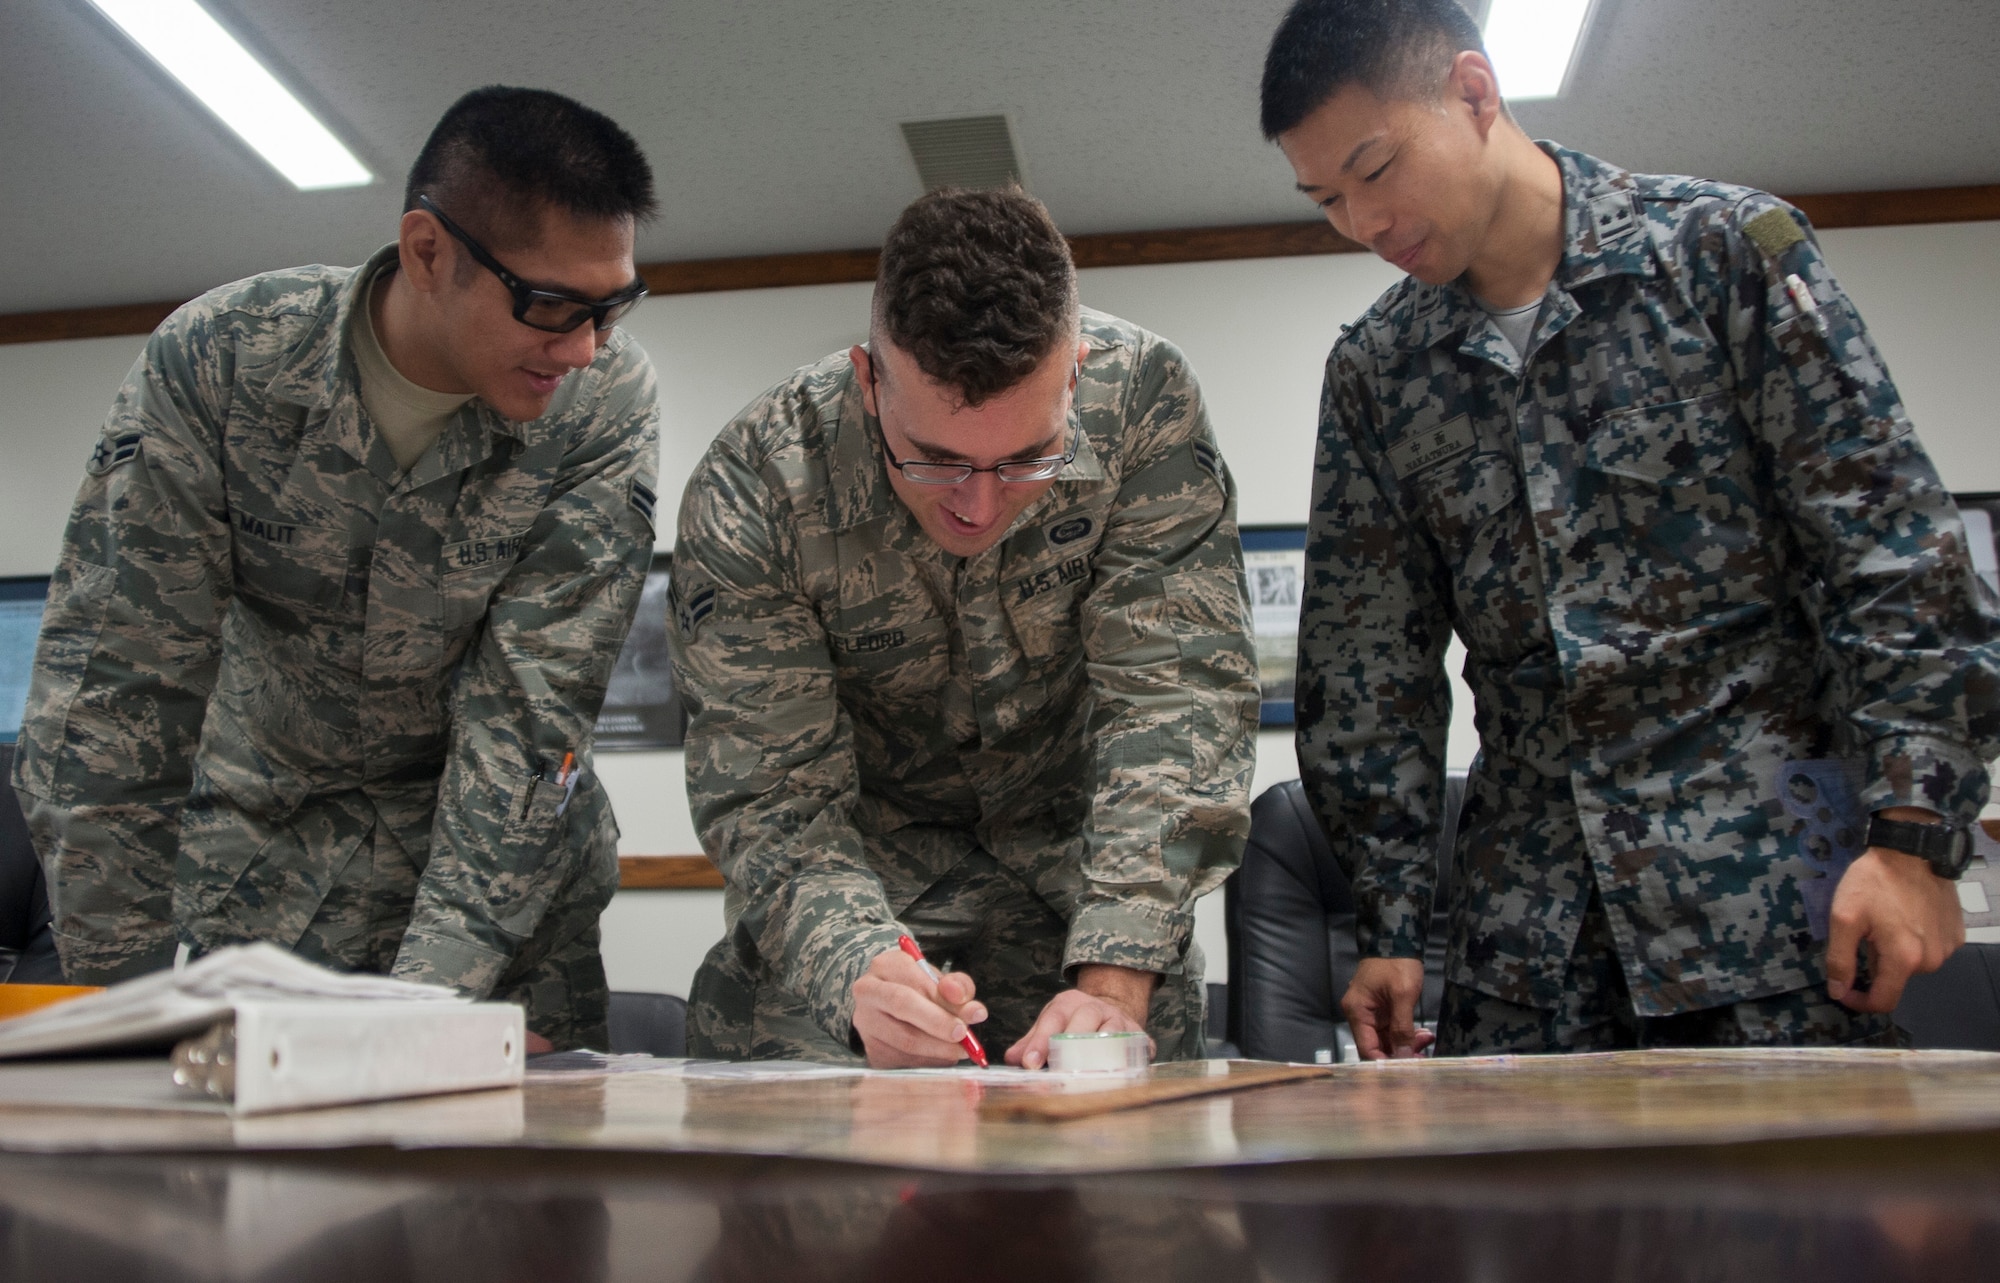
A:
x: 172, y: 1004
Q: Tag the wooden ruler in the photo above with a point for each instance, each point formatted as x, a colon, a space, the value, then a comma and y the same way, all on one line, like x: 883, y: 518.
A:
x: 1050, y: 1107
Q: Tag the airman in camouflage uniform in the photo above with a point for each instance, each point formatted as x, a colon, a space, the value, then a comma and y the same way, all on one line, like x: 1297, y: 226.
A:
x: 1687, y: 537
x: 287, y: 690
x: 1033, y: 758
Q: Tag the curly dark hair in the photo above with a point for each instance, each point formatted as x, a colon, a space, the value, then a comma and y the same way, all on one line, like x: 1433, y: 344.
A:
x: 1396, y: 48
x: 978, y: 287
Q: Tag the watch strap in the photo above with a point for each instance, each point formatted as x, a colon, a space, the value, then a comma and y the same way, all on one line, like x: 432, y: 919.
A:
x: 1947, y: 848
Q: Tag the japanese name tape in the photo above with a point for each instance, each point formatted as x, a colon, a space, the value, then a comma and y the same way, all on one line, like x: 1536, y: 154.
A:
x: 1098, y: 1053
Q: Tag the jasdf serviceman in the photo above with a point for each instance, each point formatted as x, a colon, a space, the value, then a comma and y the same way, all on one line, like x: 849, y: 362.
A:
x: 341, y: 592
x: 1626, y: 436
x: 961, y: 623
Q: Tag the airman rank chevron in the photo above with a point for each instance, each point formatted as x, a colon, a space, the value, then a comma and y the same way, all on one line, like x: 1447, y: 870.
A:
x: 1211, y: 462
x: 642, y: 501
x: 112, y: 451
x: 690, y: 613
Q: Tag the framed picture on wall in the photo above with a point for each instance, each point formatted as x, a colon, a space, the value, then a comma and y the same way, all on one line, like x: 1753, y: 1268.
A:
x: 20, y: 627
x: 642, y: 710
x: 1274, y: 564
x: 1982, y: 521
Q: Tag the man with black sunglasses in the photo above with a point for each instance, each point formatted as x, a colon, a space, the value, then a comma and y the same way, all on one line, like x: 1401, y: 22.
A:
x: 343, y: 586
x: 960, y: 619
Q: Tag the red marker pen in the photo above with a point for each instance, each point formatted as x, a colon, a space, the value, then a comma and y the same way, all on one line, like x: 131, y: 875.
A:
x: 970, y: 1043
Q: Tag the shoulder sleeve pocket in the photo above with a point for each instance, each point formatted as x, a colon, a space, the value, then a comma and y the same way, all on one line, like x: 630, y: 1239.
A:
x: 72, y: 622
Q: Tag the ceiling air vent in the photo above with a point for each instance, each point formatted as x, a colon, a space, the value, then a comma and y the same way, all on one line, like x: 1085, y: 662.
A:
x: 968, y: 151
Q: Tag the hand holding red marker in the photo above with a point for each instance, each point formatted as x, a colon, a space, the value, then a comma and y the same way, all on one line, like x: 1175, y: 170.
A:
x: 969, y: 1042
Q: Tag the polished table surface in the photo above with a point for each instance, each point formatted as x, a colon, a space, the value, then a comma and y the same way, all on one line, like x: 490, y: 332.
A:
x: 1685, y: 1165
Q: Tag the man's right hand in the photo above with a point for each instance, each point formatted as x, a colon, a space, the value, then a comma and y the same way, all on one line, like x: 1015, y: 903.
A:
x: 906, y: 1020
x: 1381, y: 1008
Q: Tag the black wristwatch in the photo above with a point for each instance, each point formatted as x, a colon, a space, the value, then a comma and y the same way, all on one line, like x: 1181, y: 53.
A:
x: 1947, y: 848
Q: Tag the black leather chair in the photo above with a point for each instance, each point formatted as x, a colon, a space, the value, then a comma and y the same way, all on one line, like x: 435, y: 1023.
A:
x: 1289, y: 912
x: 27, y: 945
x: 1290, y: 917
x: 653, y: 1023
x: 1957, y: 1006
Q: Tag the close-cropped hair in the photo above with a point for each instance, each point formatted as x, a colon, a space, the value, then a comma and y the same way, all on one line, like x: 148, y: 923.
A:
x: 499, y: 156
x: 1393, y: 48
x: 978, y: 287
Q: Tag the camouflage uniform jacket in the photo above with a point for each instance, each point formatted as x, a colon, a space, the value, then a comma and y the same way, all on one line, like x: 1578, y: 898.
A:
x: 1081, y: 697
x: 263, y: 640
x: 1691, y: 537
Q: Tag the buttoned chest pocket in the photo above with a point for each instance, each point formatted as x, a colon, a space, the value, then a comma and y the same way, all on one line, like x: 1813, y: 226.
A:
x: 1682, y: 484
x: 1043, y: 607
x: 1458, y: 498
x: 467, y: 575
x: 290, y: 569
x: 893, y: 669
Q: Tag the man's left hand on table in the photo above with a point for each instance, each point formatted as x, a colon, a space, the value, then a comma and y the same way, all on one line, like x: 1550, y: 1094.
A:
x: 1106, y: 999
x: 1909, y: 916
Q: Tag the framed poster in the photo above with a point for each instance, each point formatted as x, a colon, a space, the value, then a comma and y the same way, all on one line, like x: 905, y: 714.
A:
x: 1274, y: 564
x: 642, y: 710
x: 20, y: 627
x: 1982, y: 521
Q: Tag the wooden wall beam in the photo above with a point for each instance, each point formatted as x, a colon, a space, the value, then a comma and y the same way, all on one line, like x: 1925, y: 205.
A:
x: 1101, y: 249
x: 1893, y: 209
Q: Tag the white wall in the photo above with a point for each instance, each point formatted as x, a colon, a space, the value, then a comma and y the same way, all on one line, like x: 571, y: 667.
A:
x: 1257, y: 333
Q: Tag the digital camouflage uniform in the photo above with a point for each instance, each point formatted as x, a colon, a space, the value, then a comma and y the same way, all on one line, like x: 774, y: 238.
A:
x: 286, y: 692
x: 1035, y: 758
x: 1693, y: 539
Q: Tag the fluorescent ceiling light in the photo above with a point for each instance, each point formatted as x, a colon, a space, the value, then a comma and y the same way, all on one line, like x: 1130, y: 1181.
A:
x: 1532, y: 44
x: 214, y: 67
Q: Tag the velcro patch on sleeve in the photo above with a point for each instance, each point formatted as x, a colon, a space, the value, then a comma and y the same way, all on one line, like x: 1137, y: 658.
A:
x: 1774, y: 231
x: 112, y: 452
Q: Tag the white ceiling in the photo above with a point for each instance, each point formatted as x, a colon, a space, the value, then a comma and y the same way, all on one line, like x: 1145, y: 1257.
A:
x: 772, y: 123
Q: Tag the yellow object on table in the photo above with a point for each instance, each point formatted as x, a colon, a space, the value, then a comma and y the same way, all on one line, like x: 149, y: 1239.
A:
x: 19, y: 1000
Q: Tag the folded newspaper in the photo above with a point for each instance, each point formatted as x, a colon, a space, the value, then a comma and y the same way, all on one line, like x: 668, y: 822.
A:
x: 292, y: 1033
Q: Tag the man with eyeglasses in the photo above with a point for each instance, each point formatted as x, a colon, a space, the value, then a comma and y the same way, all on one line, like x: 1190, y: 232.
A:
x: 343, y: 587
x: 960, y: 620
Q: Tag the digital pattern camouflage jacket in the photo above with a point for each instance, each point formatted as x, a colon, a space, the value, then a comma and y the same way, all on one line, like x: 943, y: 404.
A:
x: 277, y: 674
x: 1691, y: 537
x: 1081, y: 698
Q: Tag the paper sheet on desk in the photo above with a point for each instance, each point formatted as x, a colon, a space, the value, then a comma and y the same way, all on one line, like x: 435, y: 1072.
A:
x: 170, y: 1004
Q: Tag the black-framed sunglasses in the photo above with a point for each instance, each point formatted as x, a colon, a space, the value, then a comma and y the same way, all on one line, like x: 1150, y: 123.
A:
x: 549, y: 310
x: 951, y: 474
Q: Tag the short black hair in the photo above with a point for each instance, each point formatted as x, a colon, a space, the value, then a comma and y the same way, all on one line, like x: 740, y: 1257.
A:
x: 1392, y: 47
x: 977, y: 286
x: 501, y: 155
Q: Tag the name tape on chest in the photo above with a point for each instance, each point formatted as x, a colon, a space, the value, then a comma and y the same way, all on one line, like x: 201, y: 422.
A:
x: 870, y: 643
x: 1432, y: 446
x: 473, y: 553
x: 1029, y: 587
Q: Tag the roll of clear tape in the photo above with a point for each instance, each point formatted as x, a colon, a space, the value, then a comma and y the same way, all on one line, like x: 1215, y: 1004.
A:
x: 1105, y: 1053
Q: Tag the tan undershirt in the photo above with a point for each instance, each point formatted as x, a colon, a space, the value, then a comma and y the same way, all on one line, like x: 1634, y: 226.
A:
x: 409, y: 417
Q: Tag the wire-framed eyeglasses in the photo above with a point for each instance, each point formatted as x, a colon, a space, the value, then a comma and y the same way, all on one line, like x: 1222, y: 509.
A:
x: 549, y: 310
x: 927, y: 473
